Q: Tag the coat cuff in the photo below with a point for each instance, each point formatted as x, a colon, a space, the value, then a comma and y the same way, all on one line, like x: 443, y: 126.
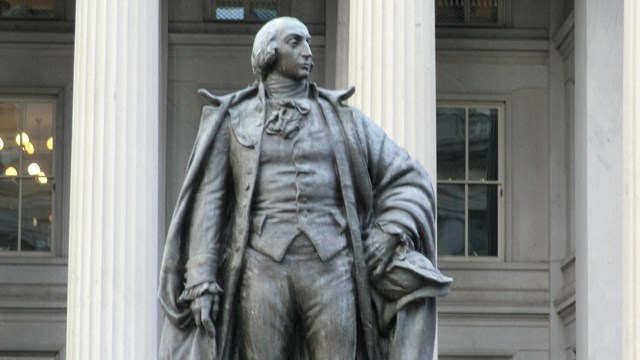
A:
x: 193, y: 292
x: 200, y: 269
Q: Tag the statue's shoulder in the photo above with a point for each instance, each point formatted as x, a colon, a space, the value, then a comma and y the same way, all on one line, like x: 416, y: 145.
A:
x: 233, y: 99
x: 345, y: 111
x: 242, y: 109
x: 336, y: 96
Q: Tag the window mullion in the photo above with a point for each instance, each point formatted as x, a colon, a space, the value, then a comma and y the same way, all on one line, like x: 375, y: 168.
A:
x: 466, y: 220
x: 467, y: 11
x: 466, y: 180
x: 20, y: 168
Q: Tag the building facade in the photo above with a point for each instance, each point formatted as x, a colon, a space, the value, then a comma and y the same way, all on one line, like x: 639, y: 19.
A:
x: 518, y: 109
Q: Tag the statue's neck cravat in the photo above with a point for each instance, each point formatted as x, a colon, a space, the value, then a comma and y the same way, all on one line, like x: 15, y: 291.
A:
x: 287, y: 105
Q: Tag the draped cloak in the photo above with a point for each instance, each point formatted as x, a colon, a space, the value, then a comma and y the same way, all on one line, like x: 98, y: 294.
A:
x: 381, y: 186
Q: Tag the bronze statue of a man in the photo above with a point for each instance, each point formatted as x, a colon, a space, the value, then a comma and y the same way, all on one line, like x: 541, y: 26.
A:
x: 301, y: 230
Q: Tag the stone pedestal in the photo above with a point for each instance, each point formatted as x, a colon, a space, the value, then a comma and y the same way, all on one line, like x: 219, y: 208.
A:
x: 113, y: 230
x: 392, y: 64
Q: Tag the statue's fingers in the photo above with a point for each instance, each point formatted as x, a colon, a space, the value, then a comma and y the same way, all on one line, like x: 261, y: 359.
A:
x: 377, y: 271
x: 197, y: 316
x: 370, y: 260
x: 373, y: 253
x: 207, y: 323
x: 215, y: 307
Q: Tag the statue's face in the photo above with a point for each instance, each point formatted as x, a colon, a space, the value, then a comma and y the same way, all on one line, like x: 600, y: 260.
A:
x: 294, y: 52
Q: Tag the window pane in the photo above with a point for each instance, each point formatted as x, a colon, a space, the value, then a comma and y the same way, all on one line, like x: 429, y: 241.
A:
x: 451, y: 145
x: 9, y: 189
x: 484, y: 11
x: 257, y: 10
x: 41, y: 8
x: 451, y: 220
x: 230, y: 13
x: 450, y: 11
x: 483, y: 144
x: 12, y: 8
x: 9, y: 129
x: 36, y: 214
x: 38, y: 9
x: 483, y: 220
x: 37, y: 158
x: 263, y: 10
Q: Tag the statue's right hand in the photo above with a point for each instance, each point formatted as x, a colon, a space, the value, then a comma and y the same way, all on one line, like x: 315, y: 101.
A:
x: 204, y: 309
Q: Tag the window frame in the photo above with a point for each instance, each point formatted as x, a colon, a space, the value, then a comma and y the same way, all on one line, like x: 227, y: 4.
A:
x: 57, y: 197
x: 284, y: 9
x: 501, y: 106
x: 503, y: 19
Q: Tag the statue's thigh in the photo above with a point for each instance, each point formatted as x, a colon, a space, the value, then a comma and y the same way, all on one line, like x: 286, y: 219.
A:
x: 266, y: 310
x: 325, y: 294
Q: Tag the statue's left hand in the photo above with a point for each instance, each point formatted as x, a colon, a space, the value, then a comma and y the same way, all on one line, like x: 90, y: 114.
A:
x: 379, y: 249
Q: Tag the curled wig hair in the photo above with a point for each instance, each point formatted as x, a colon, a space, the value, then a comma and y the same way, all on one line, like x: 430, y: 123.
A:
x: 265, y: 46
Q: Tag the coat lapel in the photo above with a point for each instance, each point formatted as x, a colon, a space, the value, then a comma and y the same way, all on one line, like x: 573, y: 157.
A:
x: 246, y: 121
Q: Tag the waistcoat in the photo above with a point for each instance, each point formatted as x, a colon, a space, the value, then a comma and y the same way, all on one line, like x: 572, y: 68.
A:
x: 297, y: 191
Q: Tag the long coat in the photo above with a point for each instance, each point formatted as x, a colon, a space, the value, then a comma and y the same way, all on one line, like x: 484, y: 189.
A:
x: 380, y: 183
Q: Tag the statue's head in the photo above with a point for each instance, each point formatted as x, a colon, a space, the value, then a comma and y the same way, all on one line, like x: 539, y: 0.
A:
x: 282, y: 45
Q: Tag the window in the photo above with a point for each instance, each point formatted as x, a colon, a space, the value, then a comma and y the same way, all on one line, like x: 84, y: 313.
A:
x: 28, y: 9
x: 27, y: 174
x: 245, y: 10
x: 470, y: 13
x: 469, y: 172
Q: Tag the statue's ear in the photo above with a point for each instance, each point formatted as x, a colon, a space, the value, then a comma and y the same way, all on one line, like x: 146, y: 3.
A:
x: 209, y: 97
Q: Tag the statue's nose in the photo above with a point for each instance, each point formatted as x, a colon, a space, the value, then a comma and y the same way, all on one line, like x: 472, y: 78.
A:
x: 306, y: 50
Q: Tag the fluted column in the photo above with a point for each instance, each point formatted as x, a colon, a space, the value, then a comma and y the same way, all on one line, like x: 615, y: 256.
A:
x: 392, y: 65
x: 113, y: 230
x: 599, y: 192
x: 631, y: 140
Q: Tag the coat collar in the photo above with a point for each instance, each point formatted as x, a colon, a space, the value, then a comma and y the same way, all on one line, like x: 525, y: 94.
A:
x: 247, y: 109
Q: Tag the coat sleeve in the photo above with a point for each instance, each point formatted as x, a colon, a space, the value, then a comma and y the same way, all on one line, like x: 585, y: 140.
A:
x: 403, y: 198
x: 172, y: 270
x: 208, y: 219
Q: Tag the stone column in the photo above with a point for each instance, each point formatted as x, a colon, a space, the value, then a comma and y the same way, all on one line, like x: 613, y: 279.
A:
x: 599, y: 178
x: 392, y: 65
x: 631, y: 141
x: 113, y: 230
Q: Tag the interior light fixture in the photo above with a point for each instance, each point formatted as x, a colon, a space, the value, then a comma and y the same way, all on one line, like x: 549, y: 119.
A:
x: 25, y: 139
x: 42, y: 178
x: 1, y: 144
x: 33, y: 169
x: 29, y: 148
x: 11, y: 171
x: 49, y: 143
